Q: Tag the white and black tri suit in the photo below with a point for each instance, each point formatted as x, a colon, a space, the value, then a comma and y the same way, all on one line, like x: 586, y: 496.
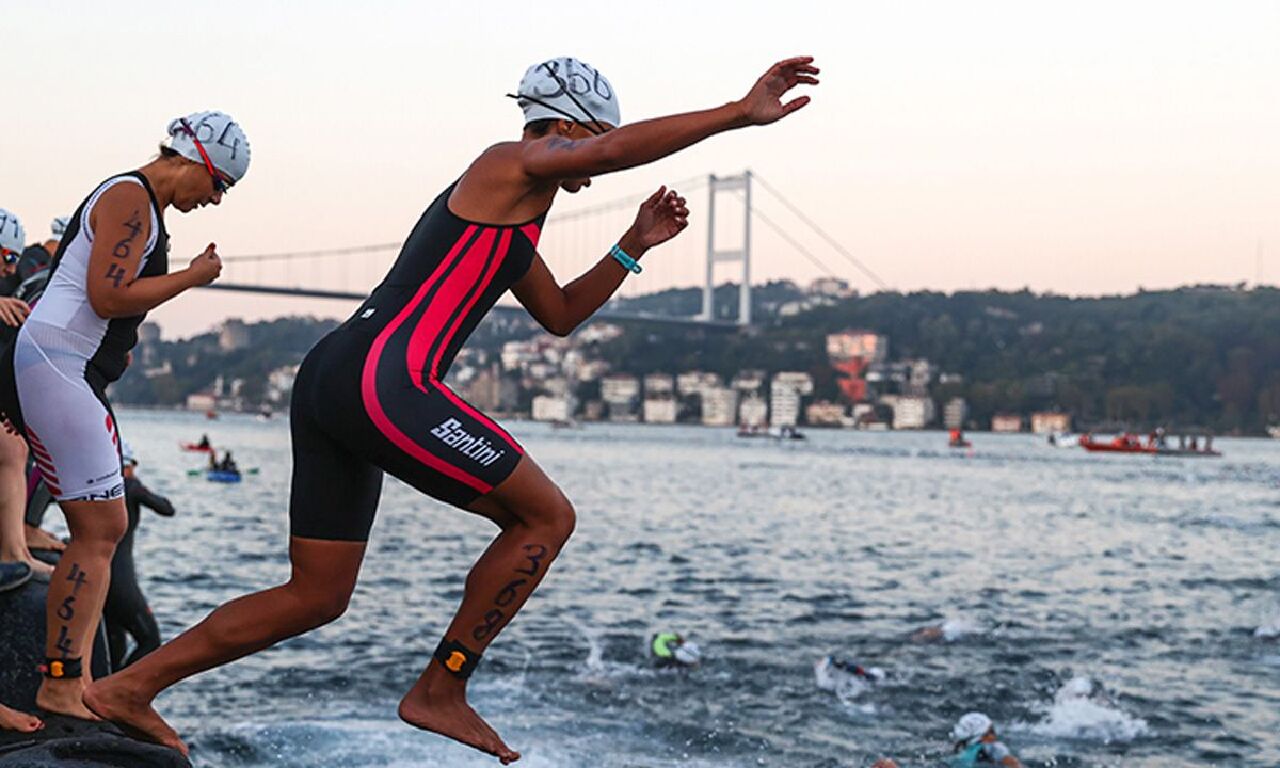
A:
x: 53, y: 378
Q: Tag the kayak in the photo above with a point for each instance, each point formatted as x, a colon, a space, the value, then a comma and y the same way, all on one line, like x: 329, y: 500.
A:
x: 196, y: 447
x: 222, y: 476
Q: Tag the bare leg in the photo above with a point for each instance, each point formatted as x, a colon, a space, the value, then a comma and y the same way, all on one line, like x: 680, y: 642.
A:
x: 76, y: 594
x: 536, y: 520
x: 13, y: 504
x: 39, y: 538
x: 323, y: 577
x: 13, y: 720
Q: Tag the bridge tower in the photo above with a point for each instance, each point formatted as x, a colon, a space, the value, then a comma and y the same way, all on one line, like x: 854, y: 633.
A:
x: 717, y: 184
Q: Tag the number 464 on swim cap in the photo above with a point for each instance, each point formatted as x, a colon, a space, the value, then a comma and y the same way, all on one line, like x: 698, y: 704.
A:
x: 222, y: 138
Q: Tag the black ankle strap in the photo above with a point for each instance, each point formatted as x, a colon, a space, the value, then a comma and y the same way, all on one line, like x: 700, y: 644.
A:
x: 59, y: 669
x: 456, y: 658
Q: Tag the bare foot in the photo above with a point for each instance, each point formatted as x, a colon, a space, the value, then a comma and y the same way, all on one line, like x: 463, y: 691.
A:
x: 39, y: 538
x: 111, y: 699
x: 62, y: 697
x: 451, y: 716
x: 40, y: 569
x: 13, y: 720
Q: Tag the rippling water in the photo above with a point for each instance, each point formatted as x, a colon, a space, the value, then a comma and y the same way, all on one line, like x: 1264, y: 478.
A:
x: 1148, y: 576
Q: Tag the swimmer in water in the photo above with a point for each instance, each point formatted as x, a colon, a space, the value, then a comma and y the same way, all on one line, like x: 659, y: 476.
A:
x: 370, y: 398
x: 670, y: 650
x: 976, y: 744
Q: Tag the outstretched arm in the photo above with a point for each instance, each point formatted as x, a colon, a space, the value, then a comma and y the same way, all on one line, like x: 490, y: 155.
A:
x: 558, y: 158
x: 561, y: 310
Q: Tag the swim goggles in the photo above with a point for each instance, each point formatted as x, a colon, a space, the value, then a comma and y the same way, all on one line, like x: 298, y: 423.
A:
x: 220, y: 185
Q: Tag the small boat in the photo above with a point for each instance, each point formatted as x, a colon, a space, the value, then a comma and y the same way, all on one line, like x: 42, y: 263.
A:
x: 1120, y: 444
x: 956, y: 440
x: 196, y: 447
x: 222, y: 475
x: 211, y: 415
x: 1129, y: 443
x: 1063, y: 440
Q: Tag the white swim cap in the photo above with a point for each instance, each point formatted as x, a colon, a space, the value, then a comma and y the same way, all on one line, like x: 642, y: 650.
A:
x: 971, y: 727
x: 221, y: 137
x: 567, y: 89
x: 59, y: 226
x: 12, y: 235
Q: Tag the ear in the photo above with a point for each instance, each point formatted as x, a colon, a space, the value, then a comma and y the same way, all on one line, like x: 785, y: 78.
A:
x: 564, y: 127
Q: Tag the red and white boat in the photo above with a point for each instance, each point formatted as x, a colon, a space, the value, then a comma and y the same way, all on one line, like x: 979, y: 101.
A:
x: 1130, y: 443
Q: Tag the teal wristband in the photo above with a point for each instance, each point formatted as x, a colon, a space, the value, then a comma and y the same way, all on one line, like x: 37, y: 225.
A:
x: 622, y: 258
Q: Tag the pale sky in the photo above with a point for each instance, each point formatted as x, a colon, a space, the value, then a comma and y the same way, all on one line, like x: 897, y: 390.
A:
x: 1083, y: 148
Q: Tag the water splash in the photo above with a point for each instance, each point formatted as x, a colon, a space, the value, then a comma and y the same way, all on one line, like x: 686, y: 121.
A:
x: 1082, y: 710
x: 846, y: 685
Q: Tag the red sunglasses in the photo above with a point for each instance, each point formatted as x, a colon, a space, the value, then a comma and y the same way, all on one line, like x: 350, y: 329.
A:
x: 220, y: 185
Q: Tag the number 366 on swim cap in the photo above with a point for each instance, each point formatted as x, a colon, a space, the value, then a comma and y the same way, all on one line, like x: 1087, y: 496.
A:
x: 221, y: 137
x: 567, y: 89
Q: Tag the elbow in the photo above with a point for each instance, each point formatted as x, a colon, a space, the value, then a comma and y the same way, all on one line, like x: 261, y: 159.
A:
x: 561, y: 328
x: 104, y: 306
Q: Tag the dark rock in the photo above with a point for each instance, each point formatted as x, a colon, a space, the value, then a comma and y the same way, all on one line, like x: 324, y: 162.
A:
x: 22, y: 613
x: 64, y: 742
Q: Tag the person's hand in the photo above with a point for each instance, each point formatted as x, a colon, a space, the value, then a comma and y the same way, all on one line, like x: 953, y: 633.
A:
x: 660, y: 218
x: 13, y: 311
x: 763, y: 105
x: 206, y: 267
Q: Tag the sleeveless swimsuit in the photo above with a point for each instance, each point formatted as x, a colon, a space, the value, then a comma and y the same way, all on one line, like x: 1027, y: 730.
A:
x: 370, y: 397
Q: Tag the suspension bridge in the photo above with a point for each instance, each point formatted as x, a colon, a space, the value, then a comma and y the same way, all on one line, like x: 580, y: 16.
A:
x: 574, y: 240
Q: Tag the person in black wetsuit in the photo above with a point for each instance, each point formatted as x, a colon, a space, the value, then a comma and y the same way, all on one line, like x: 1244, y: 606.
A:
x: 370, y: 397
x: 126, y: 611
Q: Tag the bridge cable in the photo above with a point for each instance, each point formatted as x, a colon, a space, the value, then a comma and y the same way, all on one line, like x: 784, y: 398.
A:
x: 822, y: 233
x: 791, y: 240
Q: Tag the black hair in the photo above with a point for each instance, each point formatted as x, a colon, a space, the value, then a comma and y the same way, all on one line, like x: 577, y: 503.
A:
x: 541, y: 127
x: 167, y: 151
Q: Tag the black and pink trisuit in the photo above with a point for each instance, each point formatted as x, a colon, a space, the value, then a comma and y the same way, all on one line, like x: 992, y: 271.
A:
x: 370, y: 397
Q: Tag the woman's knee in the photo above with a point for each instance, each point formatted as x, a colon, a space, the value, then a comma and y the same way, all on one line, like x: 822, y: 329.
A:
x: 559, y: 517
x: 98, y: 527
x: 318, y: 607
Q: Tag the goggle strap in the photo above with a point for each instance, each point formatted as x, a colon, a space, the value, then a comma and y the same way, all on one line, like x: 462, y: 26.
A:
x: 567, y: 115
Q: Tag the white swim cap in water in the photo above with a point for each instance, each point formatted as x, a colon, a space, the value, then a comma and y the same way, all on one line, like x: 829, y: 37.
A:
x: 222, y: 138
x: 567, y: 89
x: 971, y: 727
x: 59, y: 226
x: 12, y: 236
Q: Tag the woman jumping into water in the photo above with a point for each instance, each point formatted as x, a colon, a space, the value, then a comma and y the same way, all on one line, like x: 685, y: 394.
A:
x: 370, y: 397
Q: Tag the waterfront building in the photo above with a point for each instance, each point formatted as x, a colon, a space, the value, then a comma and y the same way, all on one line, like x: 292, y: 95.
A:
x: 912, y: 412
x: 1006, y: 422
x: 954, y: 413
x: 1050, y: 423
x: 719, y: 406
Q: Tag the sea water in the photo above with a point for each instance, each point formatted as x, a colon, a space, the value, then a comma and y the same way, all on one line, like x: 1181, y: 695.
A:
x: 1150, y: 577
